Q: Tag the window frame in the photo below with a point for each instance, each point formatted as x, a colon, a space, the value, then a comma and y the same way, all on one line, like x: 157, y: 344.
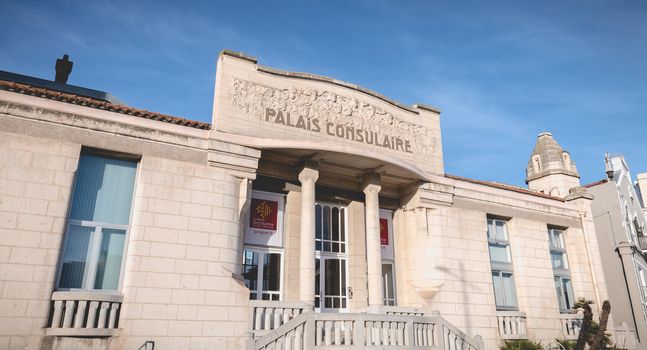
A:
x: 500, y: 267
x: 96, y: 238
x: 388, y: 215
x: 262, y: 251
x: 321, y: 254
x: 561, y: 273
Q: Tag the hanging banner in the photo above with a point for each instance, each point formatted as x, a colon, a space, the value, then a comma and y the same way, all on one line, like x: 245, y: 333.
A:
x: 265, y: 223
x: 386, y: 233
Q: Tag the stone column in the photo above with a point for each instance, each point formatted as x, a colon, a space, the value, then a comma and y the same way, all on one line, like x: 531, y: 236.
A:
x: 308, y: 177
x: 371, y: 184
x: 626, y: 252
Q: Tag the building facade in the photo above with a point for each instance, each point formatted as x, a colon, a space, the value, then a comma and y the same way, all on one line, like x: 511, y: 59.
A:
x: 310, y: 213
x: 620, y: 226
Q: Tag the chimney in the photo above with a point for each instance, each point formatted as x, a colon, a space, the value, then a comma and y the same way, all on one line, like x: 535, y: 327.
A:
x: 63, y: 69
x: 608, y: 168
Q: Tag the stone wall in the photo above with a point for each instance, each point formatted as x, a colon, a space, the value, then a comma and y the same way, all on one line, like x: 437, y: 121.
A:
x: 36, y: 176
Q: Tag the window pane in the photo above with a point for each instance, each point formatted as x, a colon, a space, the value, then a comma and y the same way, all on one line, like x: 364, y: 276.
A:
x: 326, y: 223
x: 490, y: 229
x: 104, y: 190
x: 387, y: 282
x: 272, y: 272
x: 342, y: 218
x: 498, y: 289
x: 568, y: 293
x: 558, y: 260
x: 318, y: 222
x: 331, y: 274
x: 500, y: 230
x: 250, y: 270
x: 556, y: 240
x: 110, y: 256
x: 499, y: 252
x: 509, y: 290
x: 335, y: 225
x: 560, y: 294
x: 317, y: 277
x: 75, y: 257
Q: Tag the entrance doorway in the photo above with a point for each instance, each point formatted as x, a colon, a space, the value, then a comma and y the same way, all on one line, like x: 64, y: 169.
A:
x: 331, y: 258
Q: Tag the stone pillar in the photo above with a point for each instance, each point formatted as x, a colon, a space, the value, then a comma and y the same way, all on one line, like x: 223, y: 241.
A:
x: 371, y: 184
x: 626, y: 252
x: 308, y: 177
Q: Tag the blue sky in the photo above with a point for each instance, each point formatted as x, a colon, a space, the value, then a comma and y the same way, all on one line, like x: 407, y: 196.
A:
x: 501, y: 71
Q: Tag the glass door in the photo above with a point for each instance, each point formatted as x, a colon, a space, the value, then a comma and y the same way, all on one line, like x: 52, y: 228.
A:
x: 331, y: 258
x: 262, y: 273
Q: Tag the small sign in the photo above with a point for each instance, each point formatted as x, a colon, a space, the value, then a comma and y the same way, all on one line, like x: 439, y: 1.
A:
x: 264, y: 214
x: 265, y: 224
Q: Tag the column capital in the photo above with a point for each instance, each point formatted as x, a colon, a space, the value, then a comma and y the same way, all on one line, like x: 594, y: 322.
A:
x: 371, y: 182
x: 309, y: 171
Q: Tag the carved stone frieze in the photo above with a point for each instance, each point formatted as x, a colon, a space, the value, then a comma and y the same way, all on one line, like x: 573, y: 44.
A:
x: 254, y: 98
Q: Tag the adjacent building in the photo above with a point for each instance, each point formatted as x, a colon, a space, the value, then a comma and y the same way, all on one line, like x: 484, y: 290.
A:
x: 309, y: 214
x: 621, y: 229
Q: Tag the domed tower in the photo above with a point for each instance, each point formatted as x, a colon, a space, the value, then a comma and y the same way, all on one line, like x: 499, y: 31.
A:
x: 550, y: 168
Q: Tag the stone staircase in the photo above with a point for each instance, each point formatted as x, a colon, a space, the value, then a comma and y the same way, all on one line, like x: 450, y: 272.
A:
x: 293, y: 327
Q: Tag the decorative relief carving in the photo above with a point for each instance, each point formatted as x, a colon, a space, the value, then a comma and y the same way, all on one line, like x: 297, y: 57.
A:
x: 328, y: 107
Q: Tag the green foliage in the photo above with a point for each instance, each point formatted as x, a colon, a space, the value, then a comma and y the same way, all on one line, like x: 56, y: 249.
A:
x: 567, y: 344
x: 521, y: 344
x: 595, y: 327
x: 581, y: 302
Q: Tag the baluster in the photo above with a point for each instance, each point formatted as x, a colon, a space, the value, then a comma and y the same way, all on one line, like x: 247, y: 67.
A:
x: 79, y: 316
x: 258, y: 319
x: 298, y: 338
x: 327, y: 332
x: 348, y: 326
x: 337, y: 330
x: 289, y: 340
x: 392, y: 335
x: 267, y: 321
x: 319, y: 327
x: 92, y: 314
x: 400, y: 334
x: 58, y: 311
x: 278, y: 314
x: 385, y: 333
x: 68, y: 317
x: 368, y: 333
x: 112, y: 322
x: 103, y: 313
x: 409, y: 334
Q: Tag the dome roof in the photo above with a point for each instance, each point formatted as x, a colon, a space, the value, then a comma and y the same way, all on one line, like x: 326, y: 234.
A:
x: 548, y: 157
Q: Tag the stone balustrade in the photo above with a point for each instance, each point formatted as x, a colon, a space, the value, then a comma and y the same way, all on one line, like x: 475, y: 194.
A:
x: 268, y: 315
x: 84, y: 314
x: 512, y: 324
x: 366, y: 331
x: 571, y: 324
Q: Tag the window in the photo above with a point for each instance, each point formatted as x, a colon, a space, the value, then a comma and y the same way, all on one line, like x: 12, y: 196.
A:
x: 93, y: 250
x: 641, y: 273
x: 331, y: 258
x: 502, y: 271
x: 388, y: 282
x: 388, y: 257
x: 262, y: 273
x: 561, y: 272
